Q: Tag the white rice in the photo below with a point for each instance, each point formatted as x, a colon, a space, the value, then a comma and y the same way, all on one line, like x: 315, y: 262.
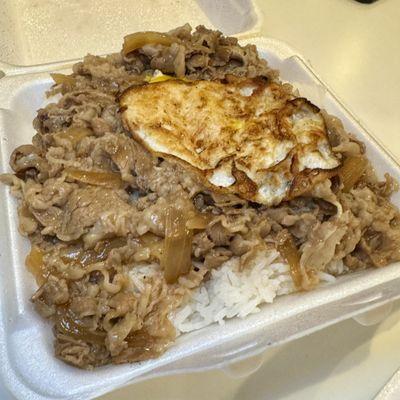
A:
x: 231, y: 292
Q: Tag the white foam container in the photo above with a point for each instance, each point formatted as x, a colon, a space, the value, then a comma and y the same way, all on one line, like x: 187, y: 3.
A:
x: 28, y: 367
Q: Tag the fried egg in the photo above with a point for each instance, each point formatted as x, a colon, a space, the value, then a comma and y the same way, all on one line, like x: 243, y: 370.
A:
x: 248, y: 137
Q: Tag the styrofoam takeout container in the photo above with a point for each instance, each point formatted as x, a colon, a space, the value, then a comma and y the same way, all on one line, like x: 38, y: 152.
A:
x: 27, y: 364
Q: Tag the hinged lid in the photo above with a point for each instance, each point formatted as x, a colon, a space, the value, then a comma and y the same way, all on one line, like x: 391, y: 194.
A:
x: 35, y: 32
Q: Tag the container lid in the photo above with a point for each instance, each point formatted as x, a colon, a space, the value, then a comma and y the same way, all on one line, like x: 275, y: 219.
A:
x: 36, y: 32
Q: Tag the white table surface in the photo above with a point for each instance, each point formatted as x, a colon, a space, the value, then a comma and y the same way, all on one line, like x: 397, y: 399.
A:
x: 355, y: 48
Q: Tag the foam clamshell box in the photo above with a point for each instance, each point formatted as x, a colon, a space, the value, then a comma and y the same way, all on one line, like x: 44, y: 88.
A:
x: 37, y: 37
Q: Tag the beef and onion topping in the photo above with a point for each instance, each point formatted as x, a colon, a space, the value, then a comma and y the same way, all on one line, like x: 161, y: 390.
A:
x: 179, y: 183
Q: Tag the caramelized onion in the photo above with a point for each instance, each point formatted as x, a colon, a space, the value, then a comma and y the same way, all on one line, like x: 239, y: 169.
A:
x: 67, y: 80
x: 35, y: 265
x: 77, y: 254
x: 142, y: 346
x: 176, y: 258
x: 74, y: 134
x: 289, y: 252
x: 137, y: 40
x: 352, y: 170
x: 302, y: 278
x: 106, y: 179
x: 68, y: 324
x: 198, y: 221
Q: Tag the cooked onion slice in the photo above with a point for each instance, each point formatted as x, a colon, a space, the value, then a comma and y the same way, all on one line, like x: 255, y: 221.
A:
x: 176, y: 258
x: 302, y: 278
x: 198, y: 221
x: 74, y: 134
x: 77, y: 254
x: 352, y: 170
x: 34, y: 264
x: 67, y: 80
x: 106, y: 179
x: 68, y: 324
x: 289, y: 252
x: 137, y: 40
x: 142, y: 345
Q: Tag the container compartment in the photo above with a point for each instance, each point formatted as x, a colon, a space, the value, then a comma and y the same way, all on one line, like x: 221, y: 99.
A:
x: 31, y: 371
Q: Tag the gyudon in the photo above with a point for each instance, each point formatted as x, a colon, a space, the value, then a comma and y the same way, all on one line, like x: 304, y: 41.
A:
x: 179, y: 183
